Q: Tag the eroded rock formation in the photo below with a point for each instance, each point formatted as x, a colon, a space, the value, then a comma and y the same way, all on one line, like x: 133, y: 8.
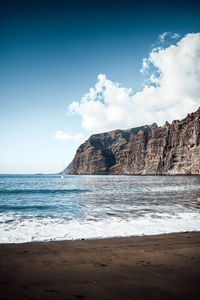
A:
x: 170, y: 149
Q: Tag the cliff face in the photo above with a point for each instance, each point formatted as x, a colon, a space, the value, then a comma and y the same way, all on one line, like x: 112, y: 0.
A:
x: 171, y: 149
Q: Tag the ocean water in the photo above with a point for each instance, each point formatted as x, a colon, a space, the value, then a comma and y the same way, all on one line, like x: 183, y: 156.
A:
x: 43, y: 208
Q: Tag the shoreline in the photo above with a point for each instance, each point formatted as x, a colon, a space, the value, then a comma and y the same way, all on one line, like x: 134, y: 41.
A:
x: 165, y: 266
x: 104, y: 238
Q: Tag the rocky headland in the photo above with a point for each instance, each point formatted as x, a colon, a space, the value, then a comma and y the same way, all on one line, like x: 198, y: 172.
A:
x: 147, y: 150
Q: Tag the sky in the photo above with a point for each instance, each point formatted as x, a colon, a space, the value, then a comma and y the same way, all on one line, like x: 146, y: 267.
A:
x: 69, y: 69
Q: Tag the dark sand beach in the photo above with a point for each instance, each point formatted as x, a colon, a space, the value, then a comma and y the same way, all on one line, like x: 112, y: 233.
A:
x: 151, y: 267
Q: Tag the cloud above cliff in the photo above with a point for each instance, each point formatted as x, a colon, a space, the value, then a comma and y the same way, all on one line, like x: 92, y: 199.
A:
x: 60, y: 135
x: 171, y: 89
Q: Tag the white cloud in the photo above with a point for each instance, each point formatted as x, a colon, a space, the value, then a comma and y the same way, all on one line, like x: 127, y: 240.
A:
x: 60, y: 135
x: 172, y: 90
x: 163, y: 36
x: 175, y: 36
x: 145, y: 66
x: 167, y: 37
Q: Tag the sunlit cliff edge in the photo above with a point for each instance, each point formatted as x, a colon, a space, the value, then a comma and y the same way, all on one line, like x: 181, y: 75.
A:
x: 168, y: 150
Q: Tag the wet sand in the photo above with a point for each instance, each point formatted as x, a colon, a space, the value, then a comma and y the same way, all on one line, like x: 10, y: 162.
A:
x: 152, y: 267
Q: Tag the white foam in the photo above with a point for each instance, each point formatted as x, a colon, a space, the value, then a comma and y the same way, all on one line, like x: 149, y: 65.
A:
x: 14, y: 229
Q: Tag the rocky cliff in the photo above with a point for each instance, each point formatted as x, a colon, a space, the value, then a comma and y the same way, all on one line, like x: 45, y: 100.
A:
x: 170, y: 149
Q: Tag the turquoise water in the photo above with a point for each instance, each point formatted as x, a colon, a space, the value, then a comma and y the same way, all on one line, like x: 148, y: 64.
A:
x: 40, y: 208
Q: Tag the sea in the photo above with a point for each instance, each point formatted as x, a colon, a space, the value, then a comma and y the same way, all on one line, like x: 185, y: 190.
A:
x: 47, y: 208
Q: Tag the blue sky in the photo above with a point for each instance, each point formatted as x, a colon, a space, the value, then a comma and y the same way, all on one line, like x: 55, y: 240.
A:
x: 51, y: 54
